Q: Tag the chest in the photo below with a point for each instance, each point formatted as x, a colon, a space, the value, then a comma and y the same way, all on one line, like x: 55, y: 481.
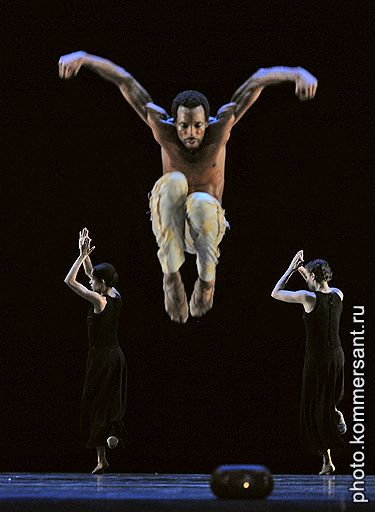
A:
x: 208, y: 158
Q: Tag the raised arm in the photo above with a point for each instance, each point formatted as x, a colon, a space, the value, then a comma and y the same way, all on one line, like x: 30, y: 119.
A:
x: 305, y: 86
x: 87, y: 265
x: 71, y: 278
x: 304, y: 297
x: 133, y: 92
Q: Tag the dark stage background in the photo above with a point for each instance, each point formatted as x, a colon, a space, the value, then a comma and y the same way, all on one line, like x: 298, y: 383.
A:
x: 225, y: 388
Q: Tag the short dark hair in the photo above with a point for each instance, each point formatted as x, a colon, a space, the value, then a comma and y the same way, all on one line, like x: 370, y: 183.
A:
x: 190, y: 99
x: 107, y: 272
x: 321, y: 270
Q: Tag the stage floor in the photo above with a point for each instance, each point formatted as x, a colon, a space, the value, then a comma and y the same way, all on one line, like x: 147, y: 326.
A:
x: 166, y: 492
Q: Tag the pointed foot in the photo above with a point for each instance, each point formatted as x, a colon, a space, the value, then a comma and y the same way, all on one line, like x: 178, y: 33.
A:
x: 112, y: 442
x: 202, y: 298
x: 341, y: 425
x: 327, y: 469
x: 175, y: 300
x: 100, y: 468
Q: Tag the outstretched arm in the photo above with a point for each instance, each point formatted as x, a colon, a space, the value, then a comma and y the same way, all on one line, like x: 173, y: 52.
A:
x: 134, y: 93
x: 306, y: 85
x: 302, y: 296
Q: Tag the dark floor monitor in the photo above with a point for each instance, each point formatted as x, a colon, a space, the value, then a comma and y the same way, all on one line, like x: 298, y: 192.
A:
x: 241, y: 481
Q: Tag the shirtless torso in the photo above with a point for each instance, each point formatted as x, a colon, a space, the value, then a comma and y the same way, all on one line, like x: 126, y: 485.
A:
x: 204, y: 166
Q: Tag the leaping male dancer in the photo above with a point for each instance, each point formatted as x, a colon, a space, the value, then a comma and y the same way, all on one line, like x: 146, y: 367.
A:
x: 185, y: 202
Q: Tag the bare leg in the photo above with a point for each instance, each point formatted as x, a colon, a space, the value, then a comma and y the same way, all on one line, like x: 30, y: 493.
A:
x: 328, y: 468
x: 102, y: 461
x: 112, y: 442
x: 341, y: 425
x: 175, y: 300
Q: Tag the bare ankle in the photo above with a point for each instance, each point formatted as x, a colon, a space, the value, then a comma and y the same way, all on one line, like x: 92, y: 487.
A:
x: 327, y: 457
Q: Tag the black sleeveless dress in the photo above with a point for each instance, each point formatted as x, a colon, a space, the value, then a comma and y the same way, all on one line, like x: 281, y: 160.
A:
x: 323, y: 374
x: 104, y: 391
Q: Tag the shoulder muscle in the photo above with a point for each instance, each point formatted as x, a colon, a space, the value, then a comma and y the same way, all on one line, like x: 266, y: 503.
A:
x: 339, y: 292
x: 160, y: 123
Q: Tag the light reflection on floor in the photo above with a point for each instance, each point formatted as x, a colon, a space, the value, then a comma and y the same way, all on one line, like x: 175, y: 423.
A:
x: 178, y: 492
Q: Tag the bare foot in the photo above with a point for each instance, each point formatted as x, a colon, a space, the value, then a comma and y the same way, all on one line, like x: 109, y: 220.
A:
x: 112, y: 442
x: 100, y: 468
x: 202, y: 298
x: 341, y: 425
x: 327, y: 469
x: 175, y: 300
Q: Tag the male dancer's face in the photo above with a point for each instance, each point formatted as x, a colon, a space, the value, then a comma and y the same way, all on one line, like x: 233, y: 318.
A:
x: 191, y: 125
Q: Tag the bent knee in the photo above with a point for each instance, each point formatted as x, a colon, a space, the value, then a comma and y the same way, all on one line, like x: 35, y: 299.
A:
x: 173, y: 183
x: 201, y: 201
x: 176, y: 180
x: 202, y: 212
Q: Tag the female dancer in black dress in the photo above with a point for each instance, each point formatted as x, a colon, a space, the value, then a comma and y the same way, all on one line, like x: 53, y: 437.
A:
x: 104, y: 391
x: 323, y: 373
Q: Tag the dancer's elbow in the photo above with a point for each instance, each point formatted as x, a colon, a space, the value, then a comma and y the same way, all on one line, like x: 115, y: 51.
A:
x: 68, y: 282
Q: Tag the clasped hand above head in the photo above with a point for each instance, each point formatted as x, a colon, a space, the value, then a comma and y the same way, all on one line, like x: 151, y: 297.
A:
x: 297, y: 264
x: 84, y: 243
x: 297, y: 261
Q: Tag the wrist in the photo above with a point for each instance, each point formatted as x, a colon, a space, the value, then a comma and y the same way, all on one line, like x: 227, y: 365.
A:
x: 297, y: 72
x: 84, y: 58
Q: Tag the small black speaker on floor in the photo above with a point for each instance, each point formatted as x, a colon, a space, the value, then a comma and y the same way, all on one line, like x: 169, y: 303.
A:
x: 241, y: 481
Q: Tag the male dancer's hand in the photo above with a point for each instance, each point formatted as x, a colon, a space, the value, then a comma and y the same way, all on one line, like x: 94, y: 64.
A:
x: 70, y: 64
x: 306, y: 85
